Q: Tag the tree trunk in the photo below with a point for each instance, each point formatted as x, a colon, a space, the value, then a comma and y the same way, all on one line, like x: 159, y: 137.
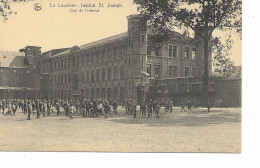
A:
x: 206, y: 71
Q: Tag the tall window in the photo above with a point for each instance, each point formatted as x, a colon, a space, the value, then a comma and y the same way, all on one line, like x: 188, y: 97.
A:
x: 97, y: 93
x: 103, y: 74
x: 149, y: 49
x: 172, y: 71
x: 149, y: 68
x: 61, y: 79
x: 88, y: 59
x: 82, y: 60
x: 103, y: 55
x: 109, y: 53
x: 115, y: 72
x: 78, y: 61
x: 65, y: 80
x: 115, y: 52
x: 122, y: 72
x: 69, y: 63
x: 92, y: 76
x: 97, y: 76
x: 194, y: 71
x: 193, y: 54
x: 68, y: 77
x: 122, y: 51
x: 115, y: 92
x: 172, y: 51
x: 109, y: 93
x: 103, y: 92
x: 129, y: 61
x: 91, y: 58
x: 122, y: 93
x: 87, y: 76
x: 157, y: 71
x: 82, y: 76
x: 76, y: 82
x: 87, y: 93
x: 58, y: 65
x: 109, y: 73
x: 186, y: 53
x: 61, y: 64
x: 149, y: 37
x: 74, y: 61
x: 142, y: 38
x: 65, y: 64
x: 94, y: 57
x: 187, y: 71
x: 98, y: 56
x: 58, y: 79
x: 158, y: 50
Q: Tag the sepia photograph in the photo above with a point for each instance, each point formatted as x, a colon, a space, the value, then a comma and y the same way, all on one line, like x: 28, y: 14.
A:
x: 121, y: 76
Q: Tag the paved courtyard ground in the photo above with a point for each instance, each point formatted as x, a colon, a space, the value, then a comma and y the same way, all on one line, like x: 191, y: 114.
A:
x: 198, y: 131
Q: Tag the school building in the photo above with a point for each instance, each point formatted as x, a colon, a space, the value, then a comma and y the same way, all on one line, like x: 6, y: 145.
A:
x: 107, y: 68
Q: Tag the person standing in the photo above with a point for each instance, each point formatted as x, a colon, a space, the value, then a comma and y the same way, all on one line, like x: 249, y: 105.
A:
x: 48, y: 108
x: 134, y: 109
x: 189, y: 106
x: 29, y: 110
x: 143, y: 109
x: 171, y: 105
x: 114, y: 107
x: 157, y: 109
x: 106, y: 110
x: 58, y: 109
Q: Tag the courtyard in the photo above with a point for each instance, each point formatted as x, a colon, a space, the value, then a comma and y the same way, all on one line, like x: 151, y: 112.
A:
x: 196, y: 131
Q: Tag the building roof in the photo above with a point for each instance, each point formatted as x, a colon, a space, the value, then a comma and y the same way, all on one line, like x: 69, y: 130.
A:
x: 11, y: 59
x: 105, y: 40
x: 93, y: 44
x: 53, y: 52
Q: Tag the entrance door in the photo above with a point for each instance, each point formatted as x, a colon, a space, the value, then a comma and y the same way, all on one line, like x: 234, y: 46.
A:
x: 140, y: 95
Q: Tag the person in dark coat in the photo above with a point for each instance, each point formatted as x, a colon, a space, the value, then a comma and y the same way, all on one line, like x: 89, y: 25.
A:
x: 29, y: 111
x: 189, y: 106
x: 143, y: 109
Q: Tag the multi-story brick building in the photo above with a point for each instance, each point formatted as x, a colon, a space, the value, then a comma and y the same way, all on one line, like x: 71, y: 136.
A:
x: 105, y: 68
x: 15, y: 76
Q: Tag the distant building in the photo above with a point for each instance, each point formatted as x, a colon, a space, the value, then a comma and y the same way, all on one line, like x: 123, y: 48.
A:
x: 14, y: 76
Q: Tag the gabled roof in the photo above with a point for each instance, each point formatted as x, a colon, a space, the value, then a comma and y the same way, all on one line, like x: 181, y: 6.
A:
x: 53, y: 52
x: 11, y: 59
x: 120, y: 36
x: 93, y: 44
x: 105, y: 40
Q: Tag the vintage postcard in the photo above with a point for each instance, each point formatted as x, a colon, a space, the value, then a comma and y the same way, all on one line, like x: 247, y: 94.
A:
x: 120, y: 75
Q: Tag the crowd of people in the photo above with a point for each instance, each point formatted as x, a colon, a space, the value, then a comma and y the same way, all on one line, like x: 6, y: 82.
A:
x: 85, y: 108
x: 57, y: 107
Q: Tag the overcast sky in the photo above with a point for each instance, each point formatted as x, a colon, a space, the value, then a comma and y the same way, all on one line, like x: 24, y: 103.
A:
x: 57, y: 27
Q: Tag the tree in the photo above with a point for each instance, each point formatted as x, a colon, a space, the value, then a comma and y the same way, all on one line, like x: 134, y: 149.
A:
x: 6, y: 10
x: 200, y: 16
x: 221, y: 61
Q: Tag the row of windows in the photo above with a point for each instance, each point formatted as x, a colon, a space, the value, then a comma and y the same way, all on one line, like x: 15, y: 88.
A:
x: 98, y: 56
x: 172, y: 71
x: 90, y: 76
x: 109, y: 93
x: 173, y: 52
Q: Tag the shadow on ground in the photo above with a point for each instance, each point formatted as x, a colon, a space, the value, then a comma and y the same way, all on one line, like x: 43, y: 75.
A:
x: 186, y: 119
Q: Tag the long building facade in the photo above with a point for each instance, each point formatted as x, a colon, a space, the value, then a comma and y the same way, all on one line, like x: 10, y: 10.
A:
x: 106, y: 68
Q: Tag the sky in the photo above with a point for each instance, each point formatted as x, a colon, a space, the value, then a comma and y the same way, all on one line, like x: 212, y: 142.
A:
x: 58, y: 27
